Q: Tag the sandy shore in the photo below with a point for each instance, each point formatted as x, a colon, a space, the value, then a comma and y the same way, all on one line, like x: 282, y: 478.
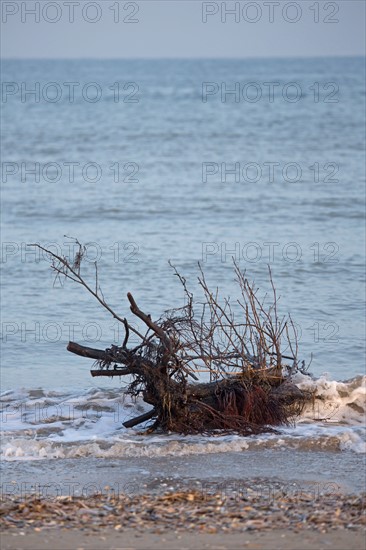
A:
x: 185, y: 519
x: 77, y: 539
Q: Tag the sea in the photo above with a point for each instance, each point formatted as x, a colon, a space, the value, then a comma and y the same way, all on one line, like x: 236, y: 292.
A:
x: 194, y: 163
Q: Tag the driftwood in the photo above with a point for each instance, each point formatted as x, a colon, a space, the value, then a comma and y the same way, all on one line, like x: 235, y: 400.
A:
x: 250, y: 389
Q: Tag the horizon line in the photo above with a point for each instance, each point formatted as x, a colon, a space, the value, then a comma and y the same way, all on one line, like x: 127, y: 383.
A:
x: 179, y: 58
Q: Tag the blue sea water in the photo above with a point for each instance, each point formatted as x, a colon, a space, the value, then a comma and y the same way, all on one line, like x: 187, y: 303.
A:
x: 133, y: 158
x: 171, y: 199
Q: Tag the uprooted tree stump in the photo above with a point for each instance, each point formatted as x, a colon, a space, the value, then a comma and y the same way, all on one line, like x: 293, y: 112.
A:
x: 250, y: 389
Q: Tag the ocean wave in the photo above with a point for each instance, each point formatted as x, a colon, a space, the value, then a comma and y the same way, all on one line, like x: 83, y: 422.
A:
x: 38, y: 424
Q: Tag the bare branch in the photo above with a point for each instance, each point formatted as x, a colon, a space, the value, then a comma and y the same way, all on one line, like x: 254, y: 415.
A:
x: 239, y: 343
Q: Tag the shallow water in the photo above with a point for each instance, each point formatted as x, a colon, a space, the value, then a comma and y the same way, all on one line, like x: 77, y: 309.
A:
x: 40, y: 425
x: 314, y: 472
x: 308, y: 230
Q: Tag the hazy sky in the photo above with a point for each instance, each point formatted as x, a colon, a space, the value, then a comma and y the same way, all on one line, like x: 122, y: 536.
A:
x: 149, y: 28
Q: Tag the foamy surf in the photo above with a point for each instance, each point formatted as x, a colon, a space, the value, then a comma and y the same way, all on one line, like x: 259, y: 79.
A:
x: 40, y: 425
x: 335, y: 402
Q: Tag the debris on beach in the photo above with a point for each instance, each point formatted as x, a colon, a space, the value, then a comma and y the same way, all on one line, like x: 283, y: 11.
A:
x: 188, y: 510
x: 238, y: 344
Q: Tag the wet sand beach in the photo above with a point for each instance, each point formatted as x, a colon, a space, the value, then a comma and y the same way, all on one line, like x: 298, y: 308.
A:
x: 169, y: 540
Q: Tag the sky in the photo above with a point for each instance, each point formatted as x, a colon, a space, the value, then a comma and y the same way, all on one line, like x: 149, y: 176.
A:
x: 181, y: 29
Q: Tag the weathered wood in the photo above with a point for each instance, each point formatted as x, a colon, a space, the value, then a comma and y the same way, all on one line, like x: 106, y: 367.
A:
x: 147, y: 320
x: 140, y: 419
x: 287, y: 393
x: 91, y: 353
x: 250, y: 396
x: 112, y: 372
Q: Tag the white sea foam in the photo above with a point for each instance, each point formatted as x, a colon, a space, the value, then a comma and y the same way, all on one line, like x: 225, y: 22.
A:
x: 39, y: 424
x: 335, y: 402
